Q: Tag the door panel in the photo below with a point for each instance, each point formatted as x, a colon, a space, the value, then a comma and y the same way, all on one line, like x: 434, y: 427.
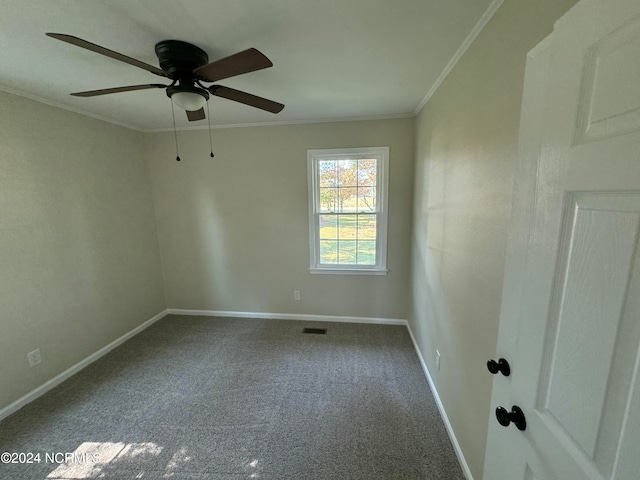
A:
x: 611, y: 97
x: 596, y: 279
x: 571, y: 303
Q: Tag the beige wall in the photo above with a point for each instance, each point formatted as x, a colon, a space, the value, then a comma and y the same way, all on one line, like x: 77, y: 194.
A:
x: 79, y: 258
x: 234, y: 231
x: 466, y: 139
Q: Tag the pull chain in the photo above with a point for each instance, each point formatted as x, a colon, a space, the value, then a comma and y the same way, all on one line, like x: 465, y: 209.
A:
x: 209, y: 120
x: 175, y: 133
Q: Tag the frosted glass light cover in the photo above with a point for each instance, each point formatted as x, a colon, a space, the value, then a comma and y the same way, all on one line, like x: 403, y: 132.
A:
x: 188, y: 100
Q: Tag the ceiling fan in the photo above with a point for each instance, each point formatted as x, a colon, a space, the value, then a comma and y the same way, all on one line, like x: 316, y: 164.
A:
x: 187, y: 66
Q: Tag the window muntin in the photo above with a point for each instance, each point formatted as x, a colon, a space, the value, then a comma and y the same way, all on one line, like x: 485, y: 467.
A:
x: 347, y: 203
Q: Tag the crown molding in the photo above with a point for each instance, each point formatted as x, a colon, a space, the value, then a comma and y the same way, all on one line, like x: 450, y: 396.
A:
x: 488, y: 14
x: 51, y: 103
x: 284, y: 122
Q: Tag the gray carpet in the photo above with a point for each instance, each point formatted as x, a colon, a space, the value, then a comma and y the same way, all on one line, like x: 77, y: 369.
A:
x: 219, y: 398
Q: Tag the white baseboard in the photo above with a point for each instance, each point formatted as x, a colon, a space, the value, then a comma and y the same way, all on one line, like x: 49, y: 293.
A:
x: 288, y: 316
x: 58, y: 379
x: 447, y: 424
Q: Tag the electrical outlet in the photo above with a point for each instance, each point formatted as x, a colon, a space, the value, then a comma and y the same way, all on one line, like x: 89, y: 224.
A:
x: 296, y: 294
x: 34, y: 357
x: 437, y: 360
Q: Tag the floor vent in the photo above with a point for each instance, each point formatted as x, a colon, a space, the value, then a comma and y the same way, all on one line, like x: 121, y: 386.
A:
x: 318, y: 331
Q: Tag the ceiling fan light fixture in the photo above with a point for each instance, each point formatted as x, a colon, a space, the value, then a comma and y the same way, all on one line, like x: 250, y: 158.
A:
x: 189, y: 101
x: 188, y: 98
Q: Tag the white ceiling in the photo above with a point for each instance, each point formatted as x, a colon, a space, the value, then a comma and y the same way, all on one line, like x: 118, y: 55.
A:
x: 333, y: 59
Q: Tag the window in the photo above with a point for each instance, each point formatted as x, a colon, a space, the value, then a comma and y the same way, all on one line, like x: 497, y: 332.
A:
x: 348, y: 210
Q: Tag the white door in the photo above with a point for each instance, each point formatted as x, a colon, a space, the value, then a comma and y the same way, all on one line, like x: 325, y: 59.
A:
x: 570, y: 319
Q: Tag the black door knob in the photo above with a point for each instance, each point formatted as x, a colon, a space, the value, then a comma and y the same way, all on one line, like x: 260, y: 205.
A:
x: 500, y: 366
x: 515, y: 416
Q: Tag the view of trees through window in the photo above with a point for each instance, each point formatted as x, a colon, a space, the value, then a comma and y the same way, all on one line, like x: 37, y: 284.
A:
x: 348, y: 211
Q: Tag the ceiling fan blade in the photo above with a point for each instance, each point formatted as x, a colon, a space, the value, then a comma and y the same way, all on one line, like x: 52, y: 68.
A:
x: 109, y: 53
x: 197, y: 115
x: 246, y: 98
x: 246, y: 61
x: 105, y: 91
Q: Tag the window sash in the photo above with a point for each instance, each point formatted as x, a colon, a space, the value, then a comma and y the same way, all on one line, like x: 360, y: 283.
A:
x: 360, y: 239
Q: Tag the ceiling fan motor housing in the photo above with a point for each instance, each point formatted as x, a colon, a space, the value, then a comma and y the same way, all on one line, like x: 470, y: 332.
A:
x: 179, y: 59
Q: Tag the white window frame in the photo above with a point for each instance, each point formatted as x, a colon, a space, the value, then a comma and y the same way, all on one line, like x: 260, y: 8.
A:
x: 381, y: 154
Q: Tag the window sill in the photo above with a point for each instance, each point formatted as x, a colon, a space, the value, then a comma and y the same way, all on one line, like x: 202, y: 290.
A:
x: 348, y: 271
